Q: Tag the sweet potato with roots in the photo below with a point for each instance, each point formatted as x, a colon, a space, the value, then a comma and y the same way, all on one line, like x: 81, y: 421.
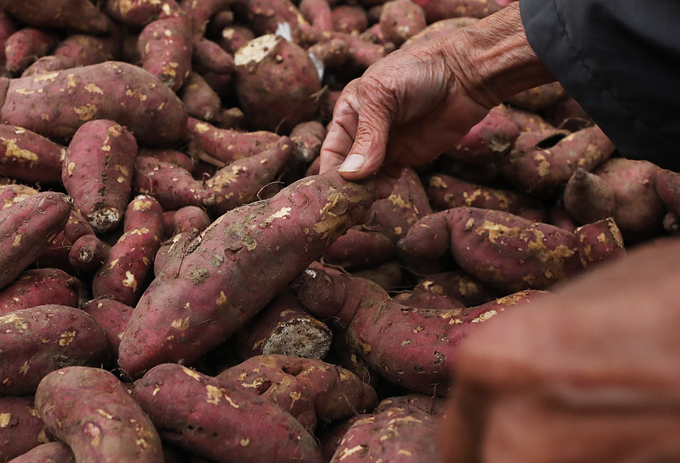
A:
x: 113, y: 90
x: 97, y: 172
x: 412, y: 347
x: 311, y: 390
x: 127, y: 270
x: 21, y: 429
x: 211, y: 417
x: 43, y: 339
x: 26, y: 228
x: 90, y: 410
x: 217, y: 294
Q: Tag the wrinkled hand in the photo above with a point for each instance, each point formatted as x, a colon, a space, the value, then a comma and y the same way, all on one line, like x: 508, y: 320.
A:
x: 589, y: 374
x: 405, y: 110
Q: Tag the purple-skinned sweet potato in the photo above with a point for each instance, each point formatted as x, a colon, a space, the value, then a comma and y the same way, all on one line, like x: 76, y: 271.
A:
x: 388, y: 275
x: 7, y: 27
x: 639, y: 210
x: 165, y: 47
x: 588, y: 198
x: 209, y: 56
x: 51, y: 452
x: 412, y: 347
x: 457, y: 285
x: 14, y: 193
x: 234, y: 37
x: 57, y: 250
x: 436, y: 10
x: 29, y: 157
x: 400, y: 20
x: 264, y: 16
x: 427, y: 300
x: 406, y: 205
x: 504, y: 251
x: 289, y: 76
x: 227, y: 145
x: 25, y: 46
x: 97, y: 172
x: 21, y: 429
x: 201, y: 101
x: 90, y: 410
x: 172, y: 248
x: 88, y: 253
x: 599, y: 242
x: 81, y: 15
x: 445, y: 192
x: 543, y: 161
x: 360, y: 249
x: 668, y: 188
x: 127, y: 270
x: 39, y: 287
x: 43, y: 339
x: 189, y: 218
x: 211, y: 417
x: 539, y: 97
x: 27, y: 227
x: 139, y: 13
x: 172, y: 156
x: 200, y: 12
x: 308, y: 138
x: 284, y: 328
x: 442, y: 28
x: 112, y: 90
x: 219, y: 291
x: 526, y: 121
x: 349, y: 19
x: 112, y: 316
x: 311, y: 390
x: 317, y: 13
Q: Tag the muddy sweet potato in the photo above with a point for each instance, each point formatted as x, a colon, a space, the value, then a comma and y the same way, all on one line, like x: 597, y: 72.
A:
x: 211, y: 417
x: 90, y: 410
x: 207, y: 293
x: 46, y: 338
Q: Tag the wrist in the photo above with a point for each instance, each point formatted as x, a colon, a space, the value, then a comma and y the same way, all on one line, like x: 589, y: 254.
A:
x: 493, y: 61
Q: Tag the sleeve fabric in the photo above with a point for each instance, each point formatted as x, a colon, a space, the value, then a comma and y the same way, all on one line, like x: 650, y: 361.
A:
x: 620, y: 60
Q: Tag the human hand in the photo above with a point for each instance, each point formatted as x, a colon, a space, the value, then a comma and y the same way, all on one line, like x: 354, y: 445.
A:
x: 417, y: 102
x: 589, y: 374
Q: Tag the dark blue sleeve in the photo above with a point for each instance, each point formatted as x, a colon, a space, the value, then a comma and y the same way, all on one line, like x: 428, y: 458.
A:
x: 620, y: 59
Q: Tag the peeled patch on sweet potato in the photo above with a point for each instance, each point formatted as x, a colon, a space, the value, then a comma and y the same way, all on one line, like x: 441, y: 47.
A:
x: 210, y: 417
x: 207, y: 293
x: 113, y: 90
x: 457, y: 285
x: 29, y: 157
x: 165, y: 47
x: 599, y: 242
x: 90, y: 410
x: 43, y: 339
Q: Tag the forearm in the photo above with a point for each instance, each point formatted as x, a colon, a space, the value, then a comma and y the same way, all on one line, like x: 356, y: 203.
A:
x: 493, y: 60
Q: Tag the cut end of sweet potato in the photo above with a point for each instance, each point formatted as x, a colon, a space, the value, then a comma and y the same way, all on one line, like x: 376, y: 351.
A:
x: 105, y: 219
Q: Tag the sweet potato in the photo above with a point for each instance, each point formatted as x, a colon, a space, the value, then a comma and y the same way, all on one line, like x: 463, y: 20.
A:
x: 97, y: 172
x: 51, y: 452
x: 333, y: 54
x: 201, y: 101
x: 91, y: 411
x: 126, y: 272
x: 317, y: 13
x: 639, y: 211
x: 436, y: 10
x: 588, y: 198
x: 394, y: 215
x: 172, y: 156
x: 671, y: 223
x: 7, y: 28
x: 113, y: 90
x: 349, y: 19
x: 559, y: 217
x: 21, y: 429
x: 171, y: 249
x: 540, y: 164
x: 211, y: 417
x: 464, y: 171
x: 284, y: 328
x: 12, y: 193
x: 39, y: 287
x: 308, y: 138
x: 25, y: 46
x: 139, y: 13
x: 442, y: 28
x: 668, y: 188
x: 199, y: 12
x: 227, y: 145
x: 88, y: 253
x: 457, y: 285
x: 360, y: 249
x: 400, y: 20
x: 446, y: 192
x: 81, y: 15
x: 399, y: 434
x: 189, y: 218
x: 288, y: 74
x: 539, y: 97
x: 46, y: 338
x: 526, y: 121
x: 112, y: 316
x: 234, y: 37
x: 503, y: 250
x: 26, y: 228
x: 388, y: 275
x: 599, y: 242
x: 310, y: 390
x: 427, y: 300
x: 209, y: 56
x: 29, y: 157
x: 213, y: 276
x: 57, y: 250
x: 165, y: 47
x: 264, y: 16
x: 412, y: 347
x: 487, y: 142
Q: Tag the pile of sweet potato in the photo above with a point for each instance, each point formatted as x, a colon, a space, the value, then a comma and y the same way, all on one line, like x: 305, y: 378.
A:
x: 178, y: 284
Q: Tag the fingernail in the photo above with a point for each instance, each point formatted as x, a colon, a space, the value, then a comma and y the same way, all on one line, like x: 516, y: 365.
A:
x: 353, y: 163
